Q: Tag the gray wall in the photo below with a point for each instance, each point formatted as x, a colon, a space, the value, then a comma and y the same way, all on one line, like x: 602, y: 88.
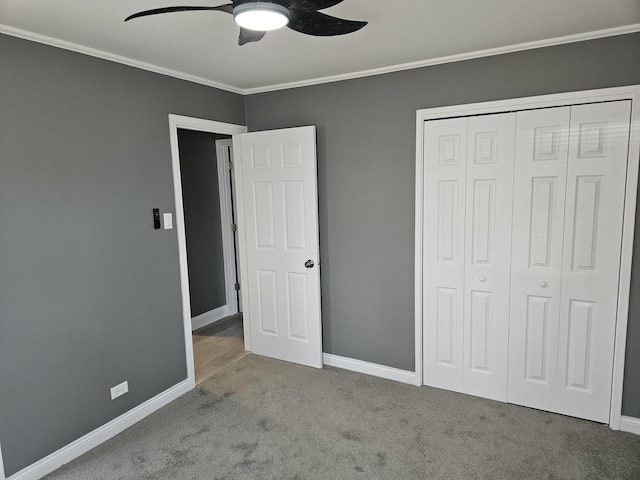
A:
x: 90, y: 292
x: 366, y: 174
x: 203, y: 226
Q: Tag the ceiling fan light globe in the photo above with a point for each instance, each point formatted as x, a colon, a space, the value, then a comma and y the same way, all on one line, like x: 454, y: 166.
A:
x: 261, y: 16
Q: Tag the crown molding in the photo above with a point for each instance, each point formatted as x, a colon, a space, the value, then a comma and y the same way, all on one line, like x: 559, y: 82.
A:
x: 580, y: 37
x: 74, y: 47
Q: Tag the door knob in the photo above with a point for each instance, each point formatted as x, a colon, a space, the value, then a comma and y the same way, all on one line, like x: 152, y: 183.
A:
x: 543, y: 284
x: 309, y: 264
x: 482, y: 279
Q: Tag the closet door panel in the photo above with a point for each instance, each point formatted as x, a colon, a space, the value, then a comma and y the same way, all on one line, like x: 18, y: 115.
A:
x: 489, y: 184
x: 542, y: 144
x: 596, y: 179
x: 445, y: 158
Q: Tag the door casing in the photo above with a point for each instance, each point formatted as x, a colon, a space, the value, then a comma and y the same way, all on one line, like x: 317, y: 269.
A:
x: 223, y: 158
x: 544, y: 101
x: 189, y: 123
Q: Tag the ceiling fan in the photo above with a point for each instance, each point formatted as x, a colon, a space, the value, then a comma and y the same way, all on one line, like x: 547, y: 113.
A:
x: 256, y: 17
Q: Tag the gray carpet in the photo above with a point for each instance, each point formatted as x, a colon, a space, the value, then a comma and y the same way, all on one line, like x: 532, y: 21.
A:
x: 265, y: 419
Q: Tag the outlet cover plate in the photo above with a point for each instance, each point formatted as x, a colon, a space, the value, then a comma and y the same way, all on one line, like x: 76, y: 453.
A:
x: 168, y: 221
x: 119, y: 390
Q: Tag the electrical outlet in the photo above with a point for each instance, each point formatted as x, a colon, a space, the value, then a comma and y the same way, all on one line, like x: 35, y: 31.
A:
x: 119, y: 390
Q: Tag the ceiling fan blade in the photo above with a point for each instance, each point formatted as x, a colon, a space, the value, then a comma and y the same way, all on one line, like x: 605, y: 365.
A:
x: 228, y: 8
x: 313, y: 5
x: 321, y: 25
x: 247, y: 36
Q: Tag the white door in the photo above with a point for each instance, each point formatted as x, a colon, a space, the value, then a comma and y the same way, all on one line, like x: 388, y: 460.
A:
x: 487, y: 258
x: 542, y: 146
x: 278, y: 207
x: 445, y: 167
x: 569, y: 207
x: 468, y: 165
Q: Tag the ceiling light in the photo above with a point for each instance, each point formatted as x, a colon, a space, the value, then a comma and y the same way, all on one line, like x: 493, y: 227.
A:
x: 261, y: 16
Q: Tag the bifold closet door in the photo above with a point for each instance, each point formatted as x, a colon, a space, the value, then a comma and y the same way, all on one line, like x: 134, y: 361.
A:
x: 542, y: 148
x: 467, y: 243
x: 569, y: 205
x: 445, y: 170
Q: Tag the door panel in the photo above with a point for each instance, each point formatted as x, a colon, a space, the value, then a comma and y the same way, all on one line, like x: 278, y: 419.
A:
x: 542, y: 146
x: 279, y: 190
x: 536, y: 340
x: 445, y: 158
x: 596, y: 178
x: 480, y: 331
x: 489, y: 180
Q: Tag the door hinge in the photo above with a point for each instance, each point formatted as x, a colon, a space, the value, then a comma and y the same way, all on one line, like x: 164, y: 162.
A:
x: 230, y: 165
x: 237, y: 286
x: 234, y: 227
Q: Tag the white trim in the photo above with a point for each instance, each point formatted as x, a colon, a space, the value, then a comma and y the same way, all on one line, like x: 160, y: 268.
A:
x: 374, y: 369
x: 175, y: 122
x: 528, y: 103
x: 601, y: 95
x: 207, y: 318
x: 630, y: 424
x: 202, y: 125
x: 112, y: 57
x: 101, y: 434
x: 580, y: 37
x: 2, y: 477
x: 226, y: 218
x: 624, y: 293
x: 419, y: 217
x: 242, y: 242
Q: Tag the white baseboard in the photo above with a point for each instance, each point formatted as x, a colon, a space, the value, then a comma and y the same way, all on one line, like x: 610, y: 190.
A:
x: 209, y: 317
x: 374, y: 369
x: 1, y: 466
x: 100, y: 435
x: 630, y: 424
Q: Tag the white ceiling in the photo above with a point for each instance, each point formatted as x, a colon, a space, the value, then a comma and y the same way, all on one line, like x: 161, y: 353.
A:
x: 202, y: 46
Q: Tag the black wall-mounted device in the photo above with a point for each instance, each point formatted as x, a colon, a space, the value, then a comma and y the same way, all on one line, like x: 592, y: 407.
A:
x: 156, y: 218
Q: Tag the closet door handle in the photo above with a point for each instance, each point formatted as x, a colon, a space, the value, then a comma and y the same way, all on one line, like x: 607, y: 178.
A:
x: 482, y: 279
x: 543, y: 284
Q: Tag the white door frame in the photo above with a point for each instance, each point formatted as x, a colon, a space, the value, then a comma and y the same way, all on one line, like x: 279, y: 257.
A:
x: 545, y: 101
x: 242, y: 242
x: 201, y: 125
x: 226, y: 213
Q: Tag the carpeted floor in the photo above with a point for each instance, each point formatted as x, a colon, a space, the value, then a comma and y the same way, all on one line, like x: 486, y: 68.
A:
x: 265, y: 419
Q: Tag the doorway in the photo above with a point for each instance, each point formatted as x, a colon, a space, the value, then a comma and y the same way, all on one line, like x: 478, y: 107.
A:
x: 213, y: 327
x: 207, y: 194
x: 203, y: 204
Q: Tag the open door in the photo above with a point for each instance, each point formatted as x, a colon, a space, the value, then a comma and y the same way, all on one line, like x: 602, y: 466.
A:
x: 277, y: 199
